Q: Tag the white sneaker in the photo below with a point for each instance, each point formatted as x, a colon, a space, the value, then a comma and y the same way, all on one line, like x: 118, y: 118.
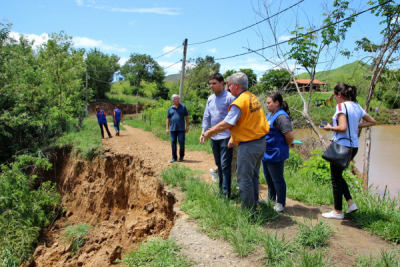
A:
x: 214, y: 175
x: 279, y: 207
x: 352, y: 208
x: 331, y: 215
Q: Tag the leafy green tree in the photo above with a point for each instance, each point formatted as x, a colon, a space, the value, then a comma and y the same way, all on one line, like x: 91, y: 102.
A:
x: 275, y: 79
x: 101, y: 67
x: 198, y: 72
x: 142, y: 67
x: 228, y: 73
x: 251, y: 76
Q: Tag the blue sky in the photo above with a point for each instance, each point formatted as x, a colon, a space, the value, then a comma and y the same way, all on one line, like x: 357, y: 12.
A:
x: 124, y: 27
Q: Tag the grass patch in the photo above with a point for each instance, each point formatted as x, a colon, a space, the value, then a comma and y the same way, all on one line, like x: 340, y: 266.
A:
x: 387, y: 258
x: 313, y: 236
x: 156, y: 252
x: 75, y: 235
x: 218, y: 216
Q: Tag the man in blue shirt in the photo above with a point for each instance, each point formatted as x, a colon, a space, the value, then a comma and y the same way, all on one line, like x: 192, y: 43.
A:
x: 175, y: 126
x: 215, y: 112
x: 102, y: 121
x: 118, y: 118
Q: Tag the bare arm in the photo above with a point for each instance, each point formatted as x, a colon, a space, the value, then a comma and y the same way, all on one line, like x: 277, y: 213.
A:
x: 187, y: 124
x: 341, y: 128
x: 368, y: 121
x: 289, y: 137
x: 219, y: 128
x: 167, y: 126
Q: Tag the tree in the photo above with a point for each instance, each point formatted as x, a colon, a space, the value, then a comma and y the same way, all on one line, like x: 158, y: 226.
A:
x: 275, y: 79
x: 228, y: 73
x: 101, y: 67
x: 142, y: 67
x: 199, y: 70
x: 251, y: 76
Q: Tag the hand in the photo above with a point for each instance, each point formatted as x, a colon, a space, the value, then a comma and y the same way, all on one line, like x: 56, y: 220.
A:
x: 167, y: 132
x: 328, y: 127
x: 230, y: 143
x: 291, y: 145
x: 202, y: 140
x: 187, y: 130
x: 207, y: 135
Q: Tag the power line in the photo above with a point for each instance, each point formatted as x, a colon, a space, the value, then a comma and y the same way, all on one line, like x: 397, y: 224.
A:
x: 297, y: 37
x: 99, y: 80
x: 103, y: 71
x: 172, y: 64
x: 168, y: 52
x: 248, y: 26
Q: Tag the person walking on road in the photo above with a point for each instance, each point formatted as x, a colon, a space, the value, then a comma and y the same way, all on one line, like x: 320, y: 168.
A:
x: 216, y: 110
x: 118, y: 118
x: 247, y: 123
x: 175, y: 126
x: 279, y: 139
x: 345, y: 96
x: 102, y: 121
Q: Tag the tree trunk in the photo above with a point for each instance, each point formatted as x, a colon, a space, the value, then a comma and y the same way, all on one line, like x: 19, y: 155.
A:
x: 367, y: 154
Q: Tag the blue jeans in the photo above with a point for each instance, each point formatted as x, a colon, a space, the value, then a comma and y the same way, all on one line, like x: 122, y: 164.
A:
x: 116, y: 125
x: 273, y: 172
x: 180, y: 135
x: 248, y: 166
x: 223, y: 160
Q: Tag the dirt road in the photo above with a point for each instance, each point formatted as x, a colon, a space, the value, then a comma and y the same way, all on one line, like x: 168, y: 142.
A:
x: 347, y: 242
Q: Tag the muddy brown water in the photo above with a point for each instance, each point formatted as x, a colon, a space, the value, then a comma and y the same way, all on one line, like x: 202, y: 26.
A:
x: 385, y: 155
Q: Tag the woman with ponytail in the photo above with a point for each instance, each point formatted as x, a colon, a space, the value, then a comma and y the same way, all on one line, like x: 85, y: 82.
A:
x: 279, y: 139
x: 345, y: 134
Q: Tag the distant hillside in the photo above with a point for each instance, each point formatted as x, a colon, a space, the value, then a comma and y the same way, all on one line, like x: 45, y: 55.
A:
x: 342, y: 74
x: 172, y: 78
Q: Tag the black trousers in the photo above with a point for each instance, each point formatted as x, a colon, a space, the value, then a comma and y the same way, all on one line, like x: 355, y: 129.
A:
x: 105, y: 126
x: 339, y: 185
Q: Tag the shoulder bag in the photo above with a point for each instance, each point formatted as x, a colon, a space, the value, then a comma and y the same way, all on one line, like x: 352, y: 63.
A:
x: 337, y: 154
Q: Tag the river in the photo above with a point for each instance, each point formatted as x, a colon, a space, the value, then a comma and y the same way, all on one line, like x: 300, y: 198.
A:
x: 385, y: 156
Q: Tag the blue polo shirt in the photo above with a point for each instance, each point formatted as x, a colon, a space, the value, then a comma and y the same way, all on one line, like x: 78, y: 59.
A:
x: 177, y: 117
x: 117, y: 112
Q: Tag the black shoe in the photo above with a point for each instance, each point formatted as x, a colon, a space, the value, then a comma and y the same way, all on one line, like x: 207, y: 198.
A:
x: 110, y: 136
x: 180, y: 159
x: 173, y: 160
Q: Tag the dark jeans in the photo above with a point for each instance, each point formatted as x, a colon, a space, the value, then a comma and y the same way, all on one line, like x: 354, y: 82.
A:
x: 116, y: 125
x: 180, y: 135
x: 273, y: 172
x: 105, y: 126
x: 223, y: 160
x: 339, y: 185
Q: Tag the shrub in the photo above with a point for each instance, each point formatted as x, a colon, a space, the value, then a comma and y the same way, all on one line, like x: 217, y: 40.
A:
x: 75, y: 234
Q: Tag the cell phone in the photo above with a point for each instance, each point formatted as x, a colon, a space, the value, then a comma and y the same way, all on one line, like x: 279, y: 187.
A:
x: 322, y: 126
x: 324, y: 122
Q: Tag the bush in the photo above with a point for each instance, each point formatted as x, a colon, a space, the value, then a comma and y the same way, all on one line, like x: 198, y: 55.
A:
x: 75, y: 235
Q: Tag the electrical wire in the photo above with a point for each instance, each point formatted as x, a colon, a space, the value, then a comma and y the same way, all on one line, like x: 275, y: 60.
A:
x: 172, y: 64
x: 168, y: 52
x: 103, y: 71
x: 245, y: 28
x: 99, y: 80
x: 297, y: 37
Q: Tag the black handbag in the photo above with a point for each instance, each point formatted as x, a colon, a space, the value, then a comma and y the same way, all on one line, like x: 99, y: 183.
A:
x: 337, y: 154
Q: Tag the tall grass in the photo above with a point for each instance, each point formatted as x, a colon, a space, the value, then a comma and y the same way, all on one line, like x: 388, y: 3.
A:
x: 75, y: 234
x: 313, y: 236
x: 156, y: 253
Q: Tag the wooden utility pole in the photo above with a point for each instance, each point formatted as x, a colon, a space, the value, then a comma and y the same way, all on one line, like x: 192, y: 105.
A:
x: 137, y: 102
x: 183, y: 68
x: 86, y: 112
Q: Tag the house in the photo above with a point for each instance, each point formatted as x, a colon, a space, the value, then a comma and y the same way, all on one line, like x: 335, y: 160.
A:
x: 304, y: 85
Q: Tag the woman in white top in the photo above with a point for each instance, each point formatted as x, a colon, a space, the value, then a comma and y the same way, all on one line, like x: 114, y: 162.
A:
x: 345, y: 96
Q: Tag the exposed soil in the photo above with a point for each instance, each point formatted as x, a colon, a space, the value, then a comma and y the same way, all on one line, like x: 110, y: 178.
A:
x: 121, y: 196
x: 108, y: 107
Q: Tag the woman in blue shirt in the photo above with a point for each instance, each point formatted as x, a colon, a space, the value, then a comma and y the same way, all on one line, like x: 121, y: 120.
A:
x: 279, y: 138
x: 102, y: 121
x: 118, y: 118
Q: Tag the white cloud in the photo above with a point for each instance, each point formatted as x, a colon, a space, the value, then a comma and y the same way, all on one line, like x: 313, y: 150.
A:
x: 37, y: 39
x: 132, y: 22
x: 284, y: 38
x: 168, y: 48
x: 87, y: 42
x: 79, y: 2
x: 212, y: 50
x: 173, y: 69
x: 123, y: 60
x: 156, y: 10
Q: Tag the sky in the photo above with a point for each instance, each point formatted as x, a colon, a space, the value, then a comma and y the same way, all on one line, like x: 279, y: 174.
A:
x: 123, y: 27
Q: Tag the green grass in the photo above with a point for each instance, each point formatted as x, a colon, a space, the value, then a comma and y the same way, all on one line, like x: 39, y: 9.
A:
x: 313, y: 236
x: 387, y: 258
x: 75, y: 235
x: 86, y: 141
x: 156, y: 253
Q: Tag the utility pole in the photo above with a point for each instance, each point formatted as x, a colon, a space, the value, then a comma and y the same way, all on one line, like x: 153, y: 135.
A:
x: 86, y: 91
x: 183, y: 68
x: 137, y: 102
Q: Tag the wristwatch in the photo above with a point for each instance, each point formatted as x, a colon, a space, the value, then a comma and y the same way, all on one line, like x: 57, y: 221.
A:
x: 203, y: 134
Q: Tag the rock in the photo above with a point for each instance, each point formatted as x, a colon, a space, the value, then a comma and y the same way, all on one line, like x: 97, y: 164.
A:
x: 82, y: 259
x: 115, y: 254
x: 93, y: 247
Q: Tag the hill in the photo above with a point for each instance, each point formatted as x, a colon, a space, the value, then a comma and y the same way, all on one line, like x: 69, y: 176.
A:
x: 342, y: 74
x: 172, y: 78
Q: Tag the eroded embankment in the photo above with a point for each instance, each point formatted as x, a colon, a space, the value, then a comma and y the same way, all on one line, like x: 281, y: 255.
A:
x: 119, y: 196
